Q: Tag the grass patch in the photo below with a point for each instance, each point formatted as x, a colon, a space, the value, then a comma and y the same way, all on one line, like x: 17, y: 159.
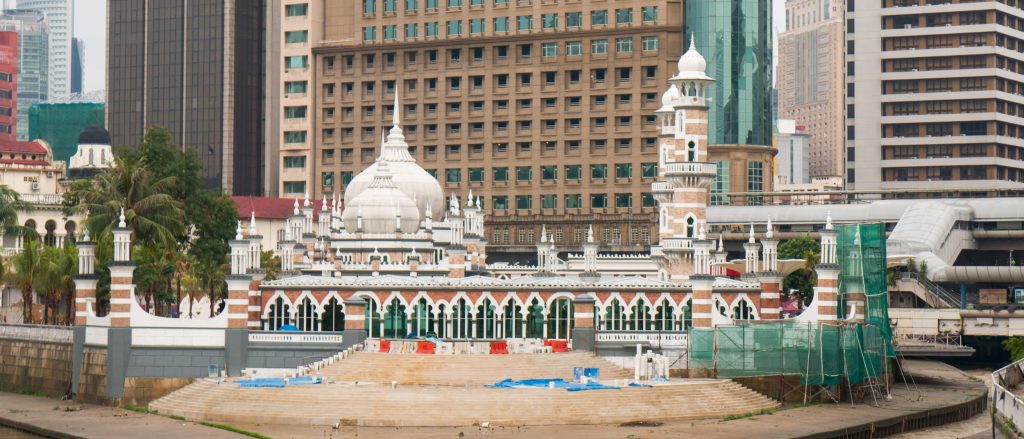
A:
x: 747, y: 415
x: 177, y: 418
x: 27, y: 392
x: 235, y: 430
x: 138, y: 409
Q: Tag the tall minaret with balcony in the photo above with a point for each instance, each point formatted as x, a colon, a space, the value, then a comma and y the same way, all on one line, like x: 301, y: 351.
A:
x: 684, y: 175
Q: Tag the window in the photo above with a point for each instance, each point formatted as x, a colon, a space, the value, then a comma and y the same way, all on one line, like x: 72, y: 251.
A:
x: 598, y: 201
x: 476, y: 26
x: 295, y: 112
x: 476, y: 175
x: 549, y: 201
x: 369, y: 33
x: 574, y: 48
x: 295, y: 187
x: 524, y: 202
x: 346, y: 177
x: 454, y: 28
x: 721, y: 184
x: 500, y: 202
x: 524, y: 173
x: 328, y: 178
x: 549, y: 21
x: 599, y: 47
x: 454, y: 3
x: 624, y: 45
x: 390, y: 6
x: 431, y: 31
x: 598, y: 172
x: 549, y: 173
x: 573, y: 201
x: 412, y: 5
x: 431, y: 4
x: 573, y: 19
x: 453, y: 175
x: 649, y: 44
x: 598, y: 75
x: 293, y: 37
x: 412, y: 31
x: 300, y: 10
x: 649, y: 170
x: 650, y: 14
x: 549, y: 50
x: 647, y: 200
x: 295, y: 162
x: 623, y: 200
x: 299, y: 87
x: 598, y: 18
x: 294, y: 137
x: 500, y: 174
x: 501, y: 24
x: 524, y: 22
x: 296, y: 62
x: 624, y: 16
x: 369, y: 6
x: 623, y: 170
x: 755, y: 180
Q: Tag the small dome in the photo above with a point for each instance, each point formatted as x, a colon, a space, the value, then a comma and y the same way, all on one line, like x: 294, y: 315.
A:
x: 381, y: 208
x: 692, y: 61
x: 94, y: 135
x: 669, y: 98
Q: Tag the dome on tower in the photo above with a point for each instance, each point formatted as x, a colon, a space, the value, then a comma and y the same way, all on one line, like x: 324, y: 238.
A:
x: 407, y: 176
x: 669, y: 98
x: 94, y: 135
x: 381, y: 208
x: 692, y: 64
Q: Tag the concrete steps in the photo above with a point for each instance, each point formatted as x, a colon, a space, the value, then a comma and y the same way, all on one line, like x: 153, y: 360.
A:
x: 438, y: 390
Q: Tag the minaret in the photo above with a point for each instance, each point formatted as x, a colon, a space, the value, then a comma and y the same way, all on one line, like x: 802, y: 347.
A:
x: 237, y: 303
x: 324, y: 220
x: 770, y: 277
x: 590, y: 273
x: 826, y: 292
x: 121, y: 275
x: 721, y: 257
x: 752, y: 265
x: 255, y: 272
x: 701, y: 281
x: 86, y: 280
x: 684, y: 173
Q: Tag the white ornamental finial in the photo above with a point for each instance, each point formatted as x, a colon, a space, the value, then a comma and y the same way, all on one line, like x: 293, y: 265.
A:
x: 120, y: 222
x: 395, y: 117
x: 323, y: 204
x: 590, y: 234
x: 828, y: 220
x: 429, y: 213
x: 305, y: 201
x: 469, y: 199
x: 543, y: 233
x: 238, y: 231
x: 720, y: 247
x: 85, y: 238
x: 252, y: 222
x: 769, y: 233
x: 296, y: 207
x: 479, y: 203
x: 751, y: 238
x: 700, y: 232
x: 693, y: 41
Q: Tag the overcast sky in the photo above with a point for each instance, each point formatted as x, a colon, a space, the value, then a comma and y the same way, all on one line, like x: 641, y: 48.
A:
x: 90, y: 28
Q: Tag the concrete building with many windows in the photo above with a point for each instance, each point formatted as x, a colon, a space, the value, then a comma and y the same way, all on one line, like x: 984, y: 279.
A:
x: 61, y: 22
x: 810, y: 80
x: 934, y: 94
x: 196, y: 68
x: 33, y: 61
x: 544, y: 109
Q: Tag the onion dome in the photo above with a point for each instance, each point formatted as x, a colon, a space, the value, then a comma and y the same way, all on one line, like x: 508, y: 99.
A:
x: 381, y: 208
x: 94, y: 135
x: 407, y: 176
x: 668, y: 99
x: 692, y: 65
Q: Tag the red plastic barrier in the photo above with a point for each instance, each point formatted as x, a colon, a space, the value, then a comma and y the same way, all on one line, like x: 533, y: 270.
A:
x: 385, y: 346
x: 499, y: 347
x: 557, y: 345
x: 424, y: 347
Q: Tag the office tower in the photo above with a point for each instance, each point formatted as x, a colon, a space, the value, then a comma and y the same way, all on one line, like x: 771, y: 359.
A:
x: 792, y: 162
x: 33, y: 61
x: 8, y: 84
x: 810, y: 79
x: 60, y: 19
x: 544, y: 110
x: 195, y: 67
x: 932, y: 97
x: 77, y: 61
x: 736, y: 38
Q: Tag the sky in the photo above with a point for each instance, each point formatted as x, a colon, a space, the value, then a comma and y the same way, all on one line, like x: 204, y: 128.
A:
x: 90, y: 28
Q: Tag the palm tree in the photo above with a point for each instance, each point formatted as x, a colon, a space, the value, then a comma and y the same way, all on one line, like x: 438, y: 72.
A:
x: 10, y: 204
x: 58, y: 266
x: 149, y: 207
x: 27, y: 268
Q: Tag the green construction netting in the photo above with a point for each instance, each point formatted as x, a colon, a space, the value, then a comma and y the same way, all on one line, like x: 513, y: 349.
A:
x: 60, y: 124
x: 822, y: 353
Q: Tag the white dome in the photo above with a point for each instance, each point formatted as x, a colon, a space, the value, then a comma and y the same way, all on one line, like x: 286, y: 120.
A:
x: 669, y: 98
x: 407, y: 176
x: 381, y: 208
x: 692, y: 61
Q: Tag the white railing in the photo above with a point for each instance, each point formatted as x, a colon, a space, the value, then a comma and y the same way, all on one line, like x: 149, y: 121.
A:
x: 662, y: 186
x: 1004, y: 402
x: 49, y: 199
x: 653, y: 339
x: 293, y: 337
x: 676, y: 244
x: 691, y: 168
x: 54, y: 334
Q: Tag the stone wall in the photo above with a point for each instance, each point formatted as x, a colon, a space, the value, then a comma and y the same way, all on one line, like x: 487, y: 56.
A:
x: 36, y: 366
x: 277, y: 357
x: 173, y: 362
x: 142, y: 391
x: 92, y: 384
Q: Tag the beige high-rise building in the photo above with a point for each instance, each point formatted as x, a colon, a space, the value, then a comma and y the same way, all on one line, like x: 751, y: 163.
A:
x: 545, y: 109
x: 810, y: 79
x: 934, y: 97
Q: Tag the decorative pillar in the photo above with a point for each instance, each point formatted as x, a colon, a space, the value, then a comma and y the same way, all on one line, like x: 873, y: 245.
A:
x: 590, y: 273
x: 584, y: 336
x: 375, y: 259
x: 751, y: 249
x: 770, y: 277
x: 457, y: 261
x: 702, y: 281
x: 85, y: 281
x: 826, y: 292
x: 122, y: 270
x: 256, y: 273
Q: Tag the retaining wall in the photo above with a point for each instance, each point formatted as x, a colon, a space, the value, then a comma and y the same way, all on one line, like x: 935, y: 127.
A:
x: 35, y: 366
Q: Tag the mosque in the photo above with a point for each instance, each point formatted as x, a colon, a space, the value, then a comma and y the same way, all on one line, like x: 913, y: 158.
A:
x: 402, y: 260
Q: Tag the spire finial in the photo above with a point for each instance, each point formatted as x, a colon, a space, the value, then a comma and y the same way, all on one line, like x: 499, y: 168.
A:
x: 828, y: 220
x: 323, y: 204
x: 544, y: 233
x: 751, y: 238
x: 395, y: 116
x: 590, y: 234
x: 769, y: 232
x: 305, y: 200
x: 700, y: 232
x: 720, y: 247
x: 693, y: 41
x: 252, y: 222
x: 120, y: 219
x: 295, y: 210
x: 238, y: 231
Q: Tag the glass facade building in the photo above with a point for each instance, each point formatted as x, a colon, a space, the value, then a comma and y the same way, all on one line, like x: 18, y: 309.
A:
x: 736, y: 39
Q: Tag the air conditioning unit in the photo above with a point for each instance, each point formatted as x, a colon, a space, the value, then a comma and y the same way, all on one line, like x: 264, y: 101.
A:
x: 49, y: 175
x: 35, y: 186
x: 907, y: 26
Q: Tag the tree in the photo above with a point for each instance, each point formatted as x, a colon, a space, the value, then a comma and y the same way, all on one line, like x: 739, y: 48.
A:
x: 58, y: 266
x: 1015, y: 346
x: 27, y: 269
x: 270, y: 264
x: 10, y: 204
x: 802, y: 280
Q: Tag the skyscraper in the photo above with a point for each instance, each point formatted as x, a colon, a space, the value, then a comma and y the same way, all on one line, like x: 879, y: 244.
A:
x: 195, y: 67
x: 60, y: 19
x: 735, y: 36
x: 8, y: 83
x: 77, y: 59
x: 33, y: 61
x: 810, y: 79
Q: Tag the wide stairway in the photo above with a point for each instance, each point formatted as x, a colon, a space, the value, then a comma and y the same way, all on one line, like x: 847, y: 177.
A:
x: 460, y: 370
x: 447, y: 390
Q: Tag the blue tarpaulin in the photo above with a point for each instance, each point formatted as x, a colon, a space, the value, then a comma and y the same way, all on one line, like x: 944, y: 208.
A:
x: 543, y: 383
x: 279, y: 382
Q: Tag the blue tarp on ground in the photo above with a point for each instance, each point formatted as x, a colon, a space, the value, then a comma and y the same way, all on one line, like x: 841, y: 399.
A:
x: 279, y: 382
x: 544, y: 383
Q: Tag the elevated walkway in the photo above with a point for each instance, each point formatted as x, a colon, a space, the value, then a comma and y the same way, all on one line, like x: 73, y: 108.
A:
x: 435, y: 391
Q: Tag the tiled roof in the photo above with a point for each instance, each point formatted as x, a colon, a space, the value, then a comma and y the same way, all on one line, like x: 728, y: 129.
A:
x: 270, y: 207
x: 16, y: 147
